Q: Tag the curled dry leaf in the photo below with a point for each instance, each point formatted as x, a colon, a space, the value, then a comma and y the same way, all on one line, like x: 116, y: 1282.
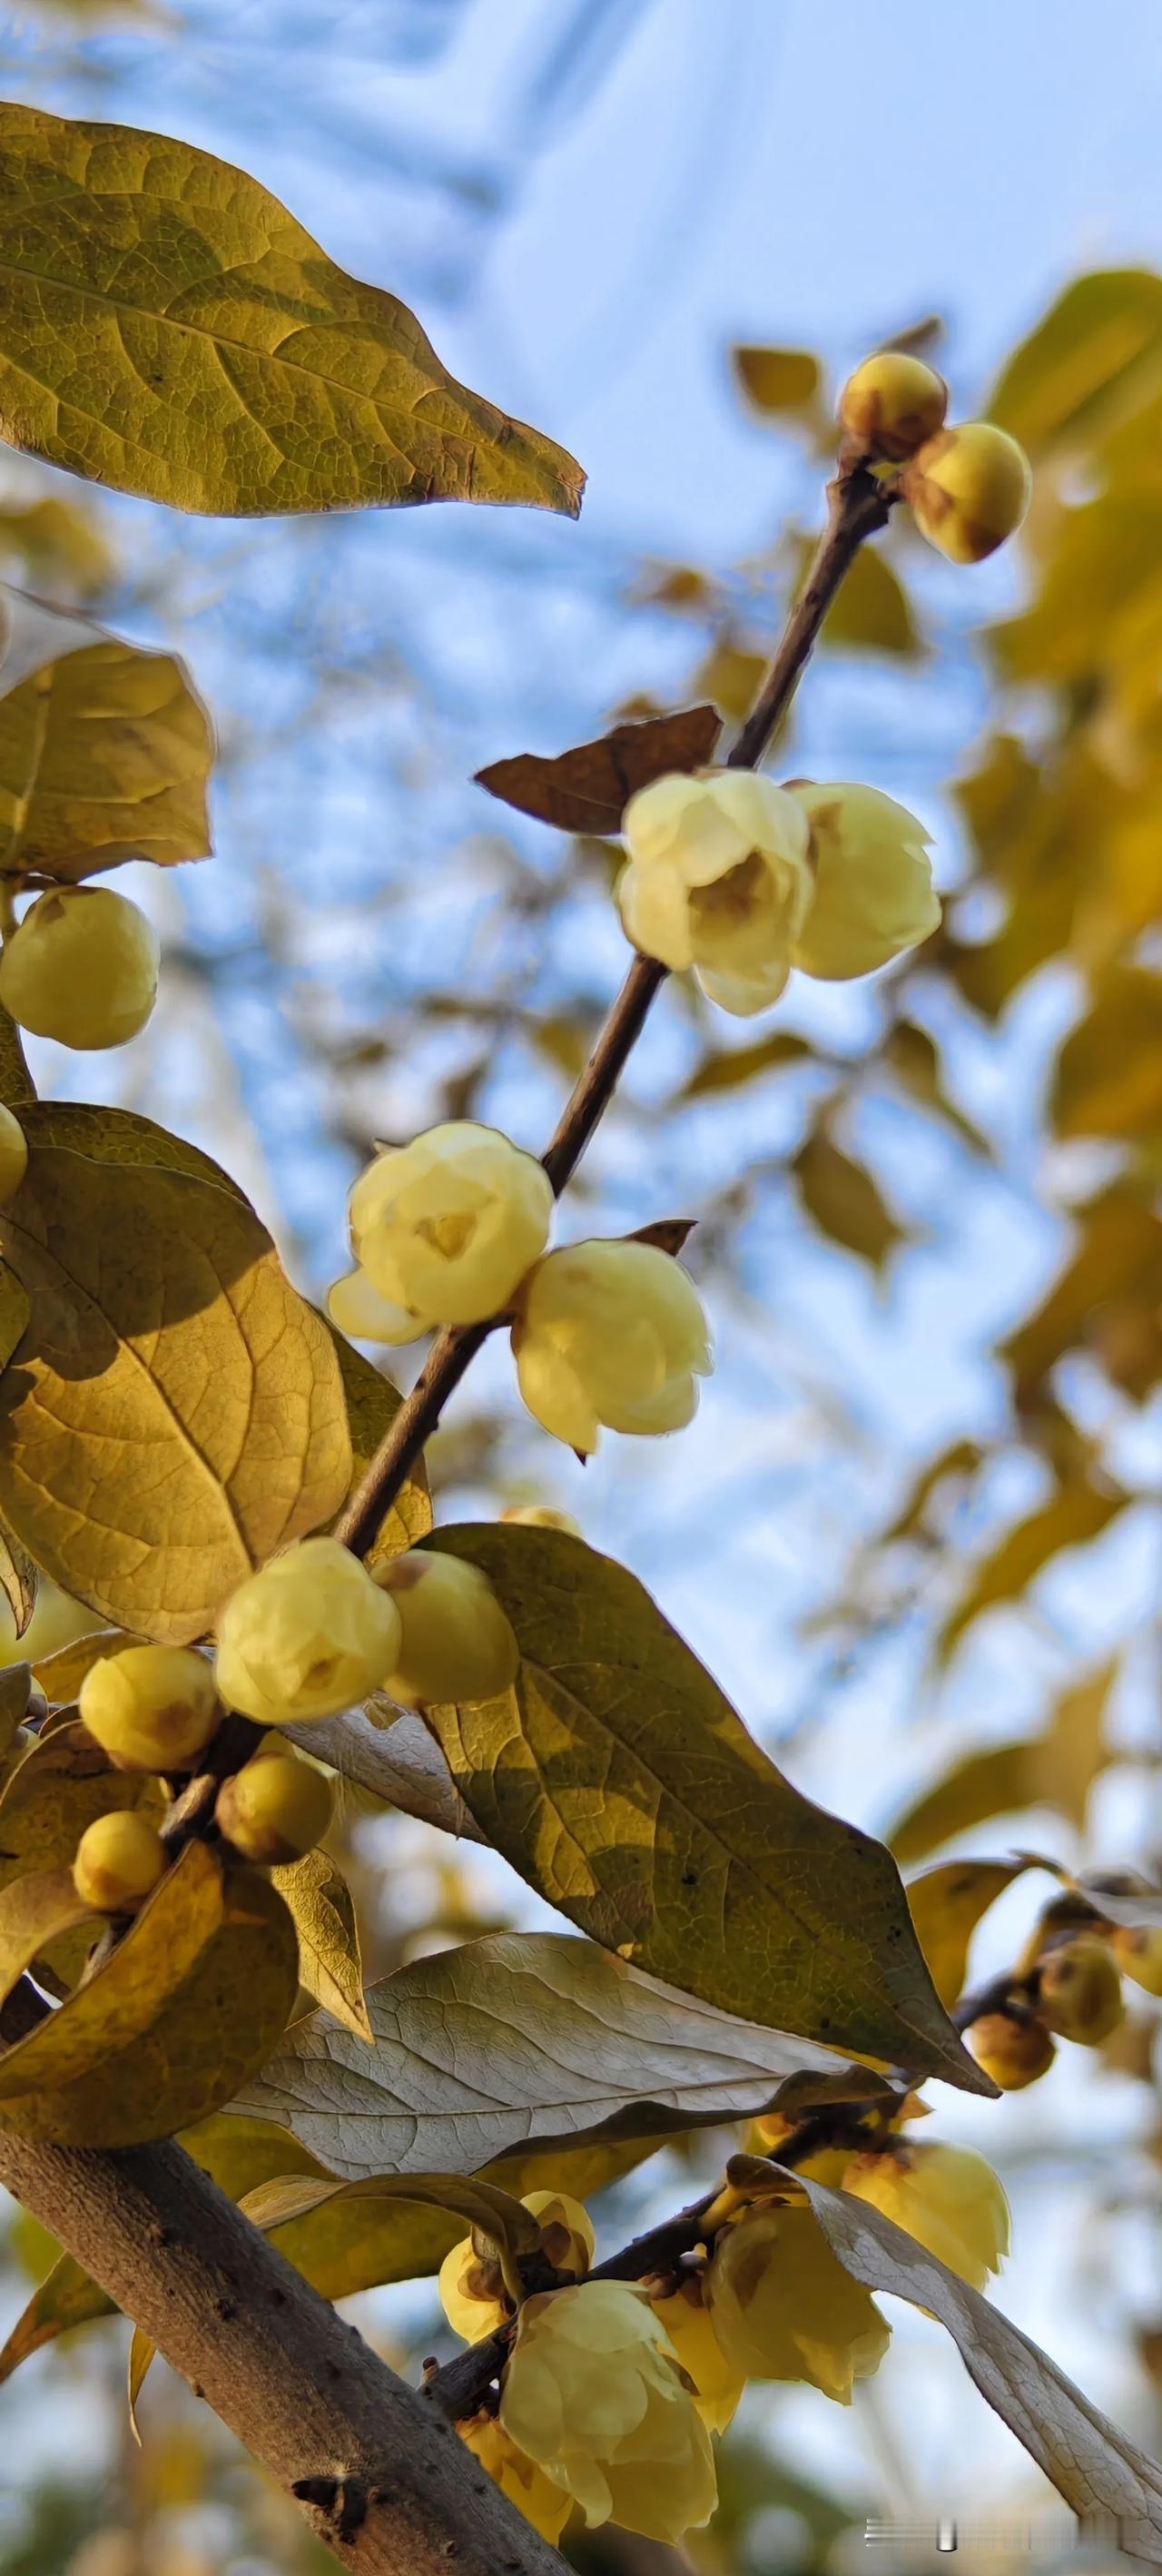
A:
x: 588, y: 789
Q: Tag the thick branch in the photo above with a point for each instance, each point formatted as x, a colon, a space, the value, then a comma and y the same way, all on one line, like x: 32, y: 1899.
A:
x: 376, y: 2467
x: 857, y: 506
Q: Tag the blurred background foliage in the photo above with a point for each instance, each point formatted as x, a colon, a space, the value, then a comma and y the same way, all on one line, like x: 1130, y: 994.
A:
x: 916, y: 1529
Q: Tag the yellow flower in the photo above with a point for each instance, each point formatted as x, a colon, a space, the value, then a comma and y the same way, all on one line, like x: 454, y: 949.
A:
x: 716, y: 2386
x: 948, y: 2198
x: 308, y: 1635
x: 610, y: 1333
x: 443, y: 1231
x: 518, y: 2477
x: 873, y: 894
x: 592, y: 2394
x: 716, y: 877
x: 456, y: 1642
x: 784, y: 2308
x: 969, y: 489
x: 470, y: 2285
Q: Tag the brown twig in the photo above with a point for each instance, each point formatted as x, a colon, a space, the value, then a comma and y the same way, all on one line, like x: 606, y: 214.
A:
x: 858, y: 505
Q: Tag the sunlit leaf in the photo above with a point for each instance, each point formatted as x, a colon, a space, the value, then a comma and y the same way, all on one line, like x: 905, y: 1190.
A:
x: 105, y: 749
x: 1097, y: 352
x: 618, y: 1780
x: 844, y: 1202
x: 946, y: 1905
x: 390, y: 1756
x: 171, y: 330
x: 323, y: 1914
x: 175, y: 1411
x: 1108, y: 1077
x: 34, y: 1911
x: 1077, y: 1512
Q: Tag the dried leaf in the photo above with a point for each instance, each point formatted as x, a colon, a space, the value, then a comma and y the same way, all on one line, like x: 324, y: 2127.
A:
x: 389, y: 1753
x: 169, y: 329
x: 1087, y: 2459
x: 587, y: 790
x: 34, y: 1911
x: 528, y: 2041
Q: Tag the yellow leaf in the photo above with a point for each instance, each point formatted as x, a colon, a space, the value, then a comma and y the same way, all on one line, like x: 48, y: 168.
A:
x: 481, y: 2205
x: 176, y: 1413
x: 323, y: 1914
x: 1104, y: 1299
x: 1108, y: 1077
x: 1054, y: 1769
x: 785, y: 382
x: 171, y: 330
x: 34, y: 1911
x: 842, y: 1199
x: 141, y: 2353
x: 872, y: 612
x: 55, y: 540
x: 60, y: 1674
x: 1076, y: 1513
x: 1097, y: 353
x: 618, y: 1780
x: 183, y: 2010
x: 105, y: 749
x: 946, y: 1904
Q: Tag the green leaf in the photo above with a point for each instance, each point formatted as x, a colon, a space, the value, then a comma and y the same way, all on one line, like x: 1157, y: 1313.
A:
x: 1076, y: 1513
x: 526, y: 2041
x: 175, y: 1412
x: 169, y: 329
x: 323, y: 1914
x: 1089, y: 2460
x: 618, y: 1780
x: 191, y: 2000
x: 844, y: 1202
x: 105, y: 749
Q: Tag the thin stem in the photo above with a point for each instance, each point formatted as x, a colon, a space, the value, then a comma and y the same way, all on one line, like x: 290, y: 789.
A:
x: 857, y: 506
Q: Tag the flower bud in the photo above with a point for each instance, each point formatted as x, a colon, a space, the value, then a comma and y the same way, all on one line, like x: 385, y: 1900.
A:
x: 545, y: 2505
x: 610, y: 1333
x: 715, y: 2385
x: 783, y: 2307
x: 456, y: 1643
x: 119, y: 1860
x: 593, y: 2396
x: 1138, y: 1950
x: 948, y: 2198
x: 893, y: 403
x: 13, y: 1155
x: 873, y: 895
x: 1079, y: 1991
x: 445, y: 1228
x: 543, y: 1516
x: 309, y: 1635
x: 151, y: 1708
x: 471, y: 2286
x: 716, y: 877
x: 81, y: 967
x: 275, y: 1809
x: 1014, y: 2053
x: 969, y: 489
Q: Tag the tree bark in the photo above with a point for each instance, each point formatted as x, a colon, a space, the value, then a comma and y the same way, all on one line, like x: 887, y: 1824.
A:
x: 376, y: 2466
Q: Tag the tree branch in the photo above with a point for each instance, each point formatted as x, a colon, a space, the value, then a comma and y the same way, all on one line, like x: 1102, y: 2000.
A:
x: 377, y: 2469
x: 858, y: 505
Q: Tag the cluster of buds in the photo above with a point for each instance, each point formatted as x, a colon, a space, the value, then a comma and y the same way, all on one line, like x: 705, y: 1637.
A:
x: 1066, y: 1985
x: 453, y: 1229
x: 612, y: 2389
x: 968, y: 486
x: 314, y: 1633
